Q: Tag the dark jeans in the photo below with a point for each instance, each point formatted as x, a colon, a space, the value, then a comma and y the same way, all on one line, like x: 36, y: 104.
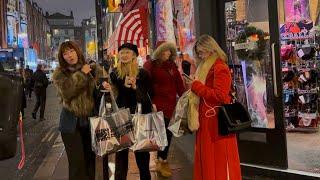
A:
x: 164, y: 154
x: 142, y: 160
x: 41, y: 102
x: 81, y: 158
x: 105, y: 167
x: 29, y: 91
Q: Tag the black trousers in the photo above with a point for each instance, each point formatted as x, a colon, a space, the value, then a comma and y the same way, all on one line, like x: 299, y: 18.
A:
x: 142, y: 160
x: 41, y: 101
x: 105, y: 163
x: 81, y: 158
x: 164, y: 154
x: 29, y: 91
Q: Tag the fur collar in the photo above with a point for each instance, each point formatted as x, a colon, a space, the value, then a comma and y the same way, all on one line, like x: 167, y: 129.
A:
x: 201, y: 75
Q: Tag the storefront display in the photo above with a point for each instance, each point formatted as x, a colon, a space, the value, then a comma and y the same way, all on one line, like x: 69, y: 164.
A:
x: 164, y: 21
x: 300, y: 68
x: 31, y: 58
x: 274, y: 57
x: 299, y: 54
x: 12, y: 19
x: 297, y: 10
x: 22, y: 35
x: 184, y: 24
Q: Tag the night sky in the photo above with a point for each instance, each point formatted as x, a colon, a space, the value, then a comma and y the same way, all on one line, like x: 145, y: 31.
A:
x: 82, y: 9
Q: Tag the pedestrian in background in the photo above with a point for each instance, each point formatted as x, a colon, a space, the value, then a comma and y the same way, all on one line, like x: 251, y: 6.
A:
x: 28, y: 81
x: 167, y: 84
x: 108, y: 61
x: 1, y: 67
x: 133, y: 85
x: 216, y: 157
x: 41, y: 83
x: 76, y: 85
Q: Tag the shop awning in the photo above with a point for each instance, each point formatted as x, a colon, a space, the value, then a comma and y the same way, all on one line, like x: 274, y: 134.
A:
x: 132, y: 29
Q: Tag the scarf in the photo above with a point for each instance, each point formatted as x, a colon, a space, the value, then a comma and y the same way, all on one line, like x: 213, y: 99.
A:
x: 194, y: 100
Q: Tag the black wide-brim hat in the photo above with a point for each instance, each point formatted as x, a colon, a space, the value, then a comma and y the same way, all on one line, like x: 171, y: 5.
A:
x: 130, y: 46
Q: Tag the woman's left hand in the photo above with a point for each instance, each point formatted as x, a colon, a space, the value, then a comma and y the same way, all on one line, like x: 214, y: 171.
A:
x: 106, y: 86
x: 190, y: 80
x: 133, y: 82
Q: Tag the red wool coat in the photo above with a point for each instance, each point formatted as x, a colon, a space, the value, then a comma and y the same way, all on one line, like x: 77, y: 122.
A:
x: 166, y: 85
x: 215, y: 156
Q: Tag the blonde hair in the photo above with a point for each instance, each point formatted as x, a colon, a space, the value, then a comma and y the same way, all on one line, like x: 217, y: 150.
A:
x: 207, y: 43
x: 128, y: 69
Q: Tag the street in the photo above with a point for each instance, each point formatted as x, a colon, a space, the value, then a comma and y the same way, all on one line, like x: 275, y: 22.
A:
x: 46, y: 158
x: 38, y: 139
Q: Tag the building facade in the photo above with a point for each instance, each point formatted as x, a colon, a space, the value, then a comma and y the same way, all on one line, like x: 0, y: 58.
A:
x: 38, y: 31
x: 3, y: 22
x: 62, y: 27
x: 90, y: 38
x: 79, y: 37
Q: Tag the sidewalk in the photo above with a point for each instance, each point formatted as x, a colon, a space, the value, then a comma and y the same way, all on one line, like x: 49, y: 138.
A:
x: 55, y: 165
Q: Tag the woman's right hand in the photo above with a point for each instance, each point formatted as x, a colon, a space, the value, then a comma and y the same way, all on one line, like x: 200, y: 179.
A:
x: 86, y: 68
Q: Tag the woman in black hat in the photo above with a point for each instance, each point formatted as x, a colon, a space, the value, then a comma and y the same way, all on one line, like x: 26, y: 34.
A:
x: 133, y: 87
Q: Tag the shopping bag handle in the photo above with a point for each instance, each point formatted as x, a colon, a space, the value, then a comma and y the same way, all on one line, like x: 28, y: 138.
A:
x: 153, y: 106
x: 103, y: 104
x: 113, y: 100
x: 139, y: 106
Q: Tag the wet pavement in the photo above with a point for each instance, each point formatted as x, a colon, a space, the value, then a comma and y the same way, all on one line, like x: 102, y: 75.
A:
x: 38, y: 139
x: 46, y: 158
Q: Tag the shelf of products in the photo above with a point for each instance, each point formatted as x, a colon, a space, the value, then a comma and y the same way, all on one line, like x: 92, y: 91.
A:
x: 301, y: 77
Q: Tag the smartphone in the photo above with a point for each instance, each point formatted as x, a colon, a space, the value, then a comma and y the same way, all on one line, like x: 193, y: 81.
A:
x: 186, y: 76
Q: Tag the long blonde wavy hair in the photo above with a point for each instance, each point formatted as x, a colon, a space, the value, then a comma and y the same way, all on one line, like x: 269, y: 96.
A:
x: 207, y: 43
x: 128, y: 69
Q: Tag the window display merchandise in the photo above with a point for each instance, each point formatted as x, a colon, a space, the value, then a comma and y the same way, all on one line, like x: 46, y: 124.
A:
x: 300, y: 72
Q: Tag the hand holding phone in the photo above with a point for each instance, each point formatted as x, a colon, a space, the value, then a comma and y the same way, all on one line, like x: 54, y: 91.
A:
x: 186, y: 76
x: 188, y: 79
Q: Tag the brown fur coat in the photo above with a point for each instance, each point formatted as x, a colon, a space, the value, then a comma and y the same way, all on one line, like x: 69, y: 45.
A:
x: 76, y: 90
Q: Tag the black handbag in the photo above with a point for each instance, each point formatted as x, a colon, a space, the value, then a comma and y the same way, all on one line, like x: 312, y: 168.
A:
x: 233, y: 118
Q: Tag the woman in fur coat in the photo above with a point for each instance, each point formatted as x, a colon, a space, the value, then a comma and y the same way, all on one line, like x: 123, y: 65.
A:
x: 216, y: 157
x: 76, y: 85
x: 166, y: 85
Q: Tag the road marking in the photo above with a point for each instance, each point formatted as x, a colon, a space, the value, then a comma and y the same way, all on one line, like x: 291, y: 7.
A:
x: 52, y: 134
x: 47, y: 135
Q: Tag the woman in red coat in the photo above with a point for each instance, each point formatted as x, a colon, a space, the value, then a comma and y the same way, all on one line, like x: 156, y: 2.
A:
x: 216, y: 157
x: 166, y: 85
